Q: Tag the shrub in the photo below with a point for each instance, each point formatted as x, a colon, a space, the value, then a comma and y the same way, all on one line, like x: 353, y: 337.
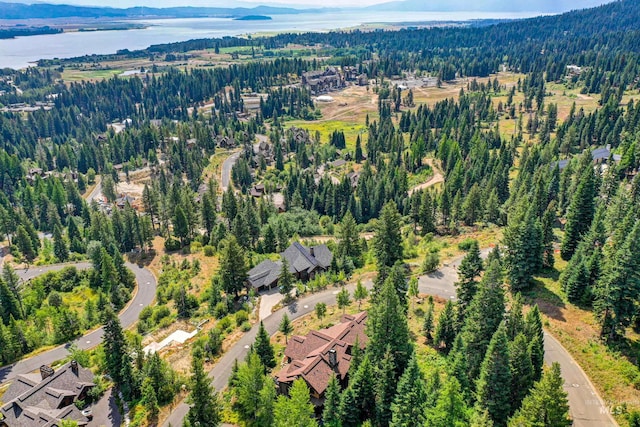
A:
x: 220, y: 310
x: 165, y: 322
x: 159, y: 313
x: 209, y: 250
x: 466, y: 244
x: 171, y: 244
x: 431, y: 262
x: 146, y: 313
x: 241, y: 317
x: 213, y: 344
x: 224, y: 323
x: 142, y: 327
x: 246, y: 327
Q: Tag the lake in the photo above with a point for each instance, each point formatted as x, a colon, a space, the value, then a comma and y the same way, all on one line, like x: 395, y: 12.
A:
x: 23, y: 51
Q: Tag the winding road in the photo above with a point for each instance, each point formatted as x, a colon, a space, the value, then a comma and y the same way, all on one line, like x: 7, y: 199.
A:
x: 145, y: 293
x: 586, y: 407
x: 227, y: 165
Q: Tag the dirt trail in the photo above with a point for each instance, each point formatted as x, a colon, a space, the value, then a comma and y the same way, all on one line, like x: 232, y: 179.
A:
x: 437, y: 178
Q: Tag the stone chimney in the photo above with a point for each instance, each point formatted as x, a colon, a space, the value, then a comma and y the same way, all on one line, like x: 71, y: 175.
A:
x: 333, y: 359
x: 46, y: 371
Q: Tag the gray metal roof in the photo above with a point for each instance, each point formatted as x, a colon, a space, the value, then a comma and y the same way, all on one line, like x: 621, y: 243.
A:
x: 300, y: 259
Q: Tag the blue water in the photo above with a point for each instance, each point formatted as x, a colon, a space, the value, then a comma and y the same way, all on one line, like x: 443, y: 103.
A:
x: 23, y: 51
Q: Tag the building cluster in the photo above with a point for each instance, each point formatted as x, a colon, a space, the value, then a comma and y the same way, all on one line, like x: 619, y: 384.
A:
x: 332, y: 78
x: 35, y: 173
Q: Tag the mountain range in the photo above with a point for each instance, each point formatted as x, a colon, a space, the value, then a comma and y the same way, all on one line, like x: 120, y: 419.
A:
x: 14, y: 11
x: 25, y: 10
x: 542, y: 6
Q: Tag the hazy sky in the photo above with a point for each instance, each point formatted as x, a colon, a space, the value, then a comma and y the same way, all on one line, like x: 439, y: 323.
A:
x: 218, y: 3
x: 250, y: 3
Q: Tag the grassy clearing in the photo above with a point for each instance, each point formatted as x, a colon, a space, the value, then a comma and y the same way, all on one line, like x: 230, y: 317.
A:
x: 326, y: 128
x: 423, y: 175
x: 417, y: 247
x: 75, y: 75
x: 77, y: 299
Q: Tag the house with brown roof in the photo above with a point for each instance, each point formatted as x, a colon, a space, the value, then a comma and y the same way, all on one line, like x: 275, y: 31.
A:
x: 47, y: 398
x: 320, y: 354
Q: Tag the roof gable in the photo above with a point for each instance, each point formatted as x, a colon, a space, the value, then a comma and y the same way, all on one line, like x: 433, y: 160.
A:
x: 40, y: 404
x: 310, y: 355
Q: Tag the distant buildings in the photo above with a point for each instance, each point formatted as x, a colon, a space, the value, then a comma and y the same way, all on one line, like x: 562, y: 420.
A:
x: 319, y: 82
x: 574, y: 70
x: 601, y: 156
x: 304, y: 264
x: 332, y: 78
x: 320, y: 354
x: 44, y: 399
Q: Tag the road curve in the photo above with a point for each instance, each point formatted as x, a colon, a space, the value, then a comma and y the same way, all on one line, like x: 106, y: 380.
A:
x: 585, y: 405
x: 227, y: 165
x: 144, y: 295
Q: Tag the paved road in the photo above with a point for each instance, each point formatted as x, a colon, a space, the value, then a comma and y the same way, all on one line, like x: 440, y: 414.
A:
x: 227, y: 165
x: 144, y: 296
x: 97, y: 190
x: 586, y: 407
x: 226, y: 169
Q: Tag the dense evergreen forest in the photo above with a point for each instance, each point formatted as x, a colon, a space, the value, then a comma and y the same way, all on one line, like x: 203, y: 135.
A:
x: 545, y: 186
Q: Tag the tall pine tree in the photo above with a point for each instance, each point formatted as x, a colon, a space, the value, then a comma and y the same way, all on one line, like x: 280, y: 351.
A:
x: 408, y: 408
x: 493, y: 389
x: 205, y: 406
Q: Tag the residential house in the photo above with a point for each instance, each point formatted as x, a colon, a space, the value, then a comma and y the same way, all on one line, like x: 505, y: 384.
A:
x: 44, y: 399
x: 354, y: 177
x: 122, y: 201
x: 304, y: 263
x: 265, y: 150
x: 257, y: 190
x: 601, y: 156
x: 225, y: 141
x: 320, y: 354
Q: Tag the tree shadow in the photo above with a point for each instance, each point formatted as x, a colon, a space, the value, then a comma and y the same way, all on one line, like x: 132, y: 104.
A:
x: 549, y: 302
x: 141, y: 259
x: 293, y: 306
x: 436, y: 274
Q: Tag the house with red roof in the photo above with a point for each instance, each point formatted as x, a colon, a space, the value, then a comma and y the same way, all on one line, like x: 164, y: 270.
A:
x: 319, y: 354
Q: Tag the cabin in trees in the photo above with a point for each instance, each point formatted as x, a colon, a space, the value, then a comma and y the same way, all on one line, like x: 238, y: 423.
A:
x: 300, y: 136
x: 319, y: 354
x: 46, y: 398
x: 304, y: 263
x: 265, y: 150
x: 601, y: 156
x: 225, y: 141
x: 318, y: 82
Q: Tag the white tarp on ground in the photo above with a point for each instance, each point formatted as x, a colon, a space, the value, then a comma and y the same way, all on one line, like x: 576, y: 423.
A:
x: 178, y: 336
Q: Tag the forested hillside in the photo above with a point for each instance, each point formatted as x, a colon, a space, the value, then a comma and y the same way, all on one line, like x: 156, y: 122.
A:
x: 536, y: 144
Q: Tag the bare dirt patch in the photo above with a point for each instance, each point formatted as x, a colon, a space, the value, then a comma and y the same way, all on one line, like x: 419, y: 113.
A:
x: 350, y: 104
